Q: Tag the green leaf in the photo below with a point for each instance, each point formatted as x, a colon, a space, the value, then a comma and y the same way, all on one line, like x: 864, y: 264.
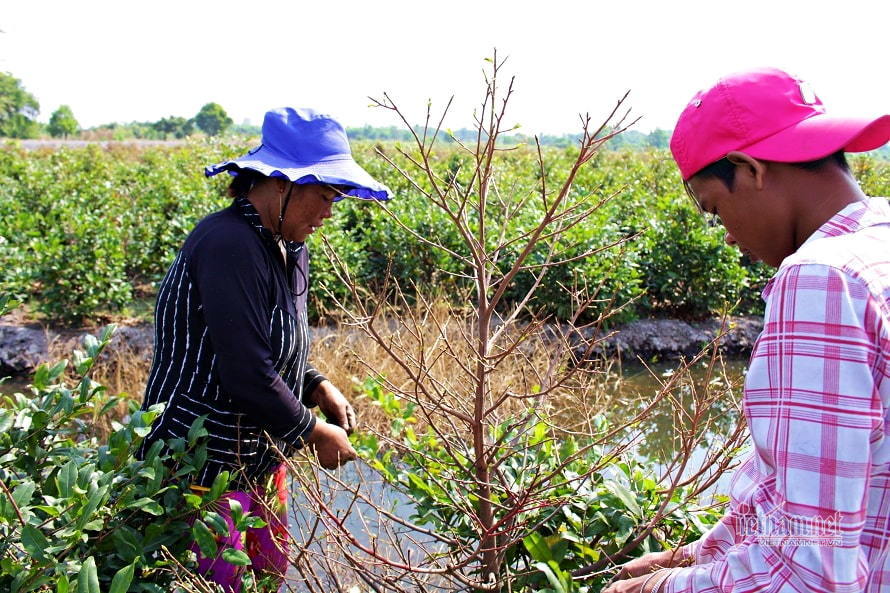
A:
x: 63, y: 584
x: 18, y: 581
x: 148, y: 417
x: 109, y: 406
x: 55, y: 371
x: 49, y: 510
x: 88, y: 578
x: 192, y: 500
x: 236, y: 557
x: 147, y: 505
x: 91, y: 344
x: 122, y: 579
x: 66, y: 479
x: 107, y: 333
x: 199, y: 457
x: 537, y: 547
x: 254, y: 522
x: 82, y: 364
x: 96, y: 495
x: 625, y: 529
x: 216, y: 521
x: 41, y: 377
x: 220, y: 485
x: 197, y: 430
x: 85, y: 388
x: 128, y: 543
x: 7, y: 418
x: 23, y: 493
x: 625, y: 496
x: 34, y: 541
x: 572, y: 517
x: 237, y: 511
x: 551, y: 577
x: 205, y: 539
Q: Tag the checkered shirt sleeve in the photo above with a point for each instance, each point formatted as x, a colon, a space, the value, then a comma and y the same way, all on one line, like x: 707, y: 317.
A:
x: 799, y: 504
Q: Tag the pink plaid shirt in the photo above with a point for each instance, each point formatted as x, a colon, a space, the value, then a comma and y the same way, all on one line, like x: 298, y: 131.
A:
x: 810, y: 508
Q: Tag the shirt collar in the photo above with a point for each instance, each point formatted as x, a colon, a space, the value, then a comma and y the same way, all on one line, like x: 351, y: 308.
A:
x: 250, y: 214
x: 852, y: 218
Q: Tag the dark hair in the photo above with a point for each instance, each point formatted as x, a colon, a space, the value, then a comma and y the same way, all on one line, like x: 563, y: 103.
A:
x: 725, y: 170
x: 243, y: 182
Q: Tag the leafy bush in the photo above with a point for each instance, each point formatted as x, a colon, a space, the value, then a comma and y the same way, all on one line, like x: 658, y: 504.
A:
x: 81, y: 227
x: 688, y: 267
x: 80, y: 514
x: 582, y: 520
x: 83, y: 230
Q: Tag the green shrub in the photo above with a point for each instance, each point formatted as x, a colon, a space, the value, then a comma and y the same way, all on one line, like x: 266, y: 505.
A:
x: 688, y: 267
x: 77, y: 513
x: 873, y: 174
x: 82, y: 230
x: 596, y: 504
x: 81, y: 227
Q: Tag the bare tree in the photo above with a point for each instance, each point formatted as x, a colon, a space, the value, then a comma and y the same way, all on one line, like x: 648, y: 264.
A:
x: 480, y: 377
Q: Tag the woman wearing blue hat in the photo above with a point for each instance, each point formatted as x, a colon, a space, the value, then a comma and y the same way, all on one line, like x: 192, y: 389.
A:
x: 231, y: 330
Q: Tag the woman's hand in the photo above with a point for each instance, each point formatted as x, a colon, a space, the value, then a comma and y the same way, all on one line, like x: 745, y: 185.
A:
x: 334, y: 406
x: 330, y: 444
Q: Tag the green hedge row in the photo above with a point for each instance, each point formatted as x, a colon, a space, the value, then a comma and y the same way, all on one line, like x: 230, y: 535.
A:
x: 85, y: 230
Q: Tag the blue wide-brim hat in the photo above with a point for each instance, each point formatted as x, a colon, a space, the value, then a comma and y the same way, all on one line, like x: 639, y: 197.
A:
x: 305, y: 146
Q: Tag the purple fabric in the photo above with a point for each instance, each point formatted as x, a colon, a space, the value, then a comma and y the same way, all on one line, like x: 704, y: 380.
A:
x: 266, y: 546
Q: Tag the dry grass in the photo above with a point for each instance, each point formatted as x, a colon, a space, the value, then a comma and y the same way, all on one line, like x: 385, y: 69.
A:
x: 349, y: 358
x: 441, y: 336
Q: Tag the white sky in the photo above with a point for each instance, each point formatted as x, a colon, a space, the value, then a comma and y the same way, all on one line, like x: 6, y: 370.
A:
x: 126, y: 61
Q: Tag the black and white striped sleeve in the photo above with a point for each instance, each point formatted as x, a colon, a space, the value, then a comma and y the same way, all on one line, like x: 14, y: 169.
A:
x: 311, y: 379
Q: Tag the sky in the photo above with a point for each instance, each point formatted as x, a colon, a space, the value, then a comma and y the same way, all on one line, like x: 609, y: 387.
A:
x: 140, y: 61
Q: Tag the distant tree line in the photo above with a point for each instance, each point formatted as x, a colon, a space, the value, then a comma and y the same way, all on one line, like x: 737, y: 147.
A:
x: 19, y: 110
x: 212, y: 120
x: 633, y: 139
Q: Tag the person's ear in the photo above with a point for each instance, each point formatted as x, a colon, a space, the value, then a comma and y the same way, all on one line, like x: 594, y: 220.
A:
x: 747, y: 165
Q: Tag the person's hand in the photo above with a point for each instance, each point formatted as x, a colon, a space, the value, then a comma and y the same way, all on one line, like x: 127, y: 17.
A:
x: 632, y: 585
x: 334, y: 406
x: 650, y: 582
x: 330, y: 444
x: 649, y: 563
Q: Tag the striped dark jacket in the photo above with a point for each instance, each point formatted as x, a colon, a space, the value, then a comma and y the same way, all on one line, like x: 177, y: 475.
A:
x: 231, y: 344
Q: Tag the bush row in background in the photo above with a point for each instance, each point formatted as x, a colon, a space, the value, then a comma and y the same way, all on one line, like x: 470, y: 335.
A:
x: 82, y: 229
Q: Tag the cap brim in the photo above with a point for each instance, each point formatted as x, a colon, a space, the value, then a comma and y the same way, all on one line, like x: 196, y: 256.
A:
x: 341, y: 171
x: 822, y: 135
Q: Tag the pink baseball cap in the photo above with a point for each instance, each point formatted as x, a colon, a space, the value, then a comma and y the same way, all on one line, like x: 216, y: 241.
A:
x: 770, y: 115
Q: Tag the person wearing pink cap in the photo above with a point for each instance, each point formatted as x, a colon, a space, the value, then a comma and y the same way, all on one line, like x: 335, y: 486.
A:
x: 810, y: 506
